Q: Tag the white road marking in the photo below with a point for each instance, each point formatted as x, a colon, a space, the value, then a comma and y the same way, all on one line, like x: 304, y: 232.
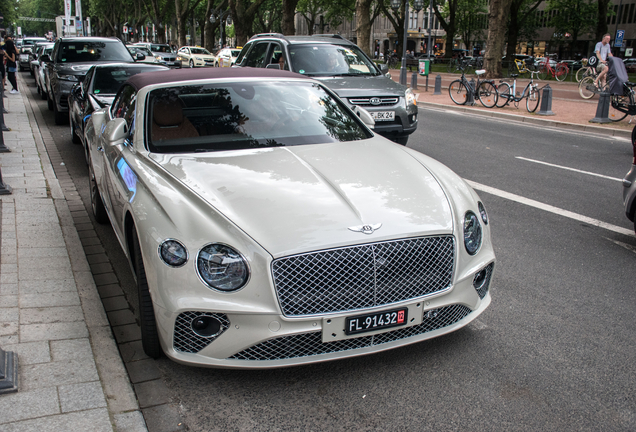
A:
x: 625, y: 245
x: 551, y: 209
x: 570, y: 169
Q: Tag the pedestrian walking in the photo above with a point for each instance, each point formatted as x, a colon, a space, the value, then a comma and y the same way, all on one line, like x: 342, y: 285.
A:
x: 602, y: 51
x: 11, y: 55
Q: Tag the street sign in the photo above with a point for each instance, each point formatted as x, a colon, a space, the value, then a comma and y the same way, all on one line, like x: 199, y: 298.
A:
x: 618, y: 42
x: 628, y: 52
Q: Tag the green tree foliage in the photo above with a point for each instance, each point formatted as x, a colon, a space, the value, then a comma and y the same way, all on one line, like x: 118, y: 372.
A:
x: 522, y: 23
x: 471, y: 19
x: 446, y: 13
x: 35, y: 9
x: 576, y: 17
x: 319, y: 14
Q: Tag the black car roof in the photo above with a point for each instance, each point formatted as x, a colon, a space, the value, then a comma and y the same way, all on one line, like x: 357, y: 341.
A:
x: 142, y: 80
x: 90, y: 39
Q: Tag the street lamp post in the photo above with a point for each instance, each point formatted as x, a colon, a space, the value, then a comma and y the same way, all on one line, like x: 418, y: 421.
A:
x: 428, y: 43
x: 222, y: 17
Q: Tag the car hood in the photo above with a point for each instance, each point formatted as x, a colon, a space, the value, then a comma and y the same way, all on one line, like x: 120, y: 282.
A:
x: 358, y: 86
x: 303, y: 198
x: 73, y: 68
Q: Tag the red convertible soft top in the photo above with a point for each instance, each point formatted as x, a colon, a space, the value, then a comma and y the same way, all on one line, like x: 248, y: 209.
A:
x: 173, y: 75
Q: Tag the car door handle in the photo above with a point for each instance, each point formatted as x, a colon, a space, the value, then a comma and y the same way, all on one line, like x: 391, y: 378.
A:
x: 100, y: 148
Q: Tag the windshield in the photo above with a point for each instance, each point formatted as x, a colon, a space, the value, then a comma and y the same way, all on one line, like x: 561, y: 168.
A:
x: 199, y: 51
x: 161, y: 48
x: 71, y: 52
x: 108, y: 80
x: 201, y: 118
x: 235, y: 53
x: 330, y: 60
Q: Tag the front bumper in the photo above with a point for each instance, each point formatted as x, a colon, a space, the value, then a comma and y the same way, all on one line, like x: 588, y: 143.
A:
x: 61, y: 91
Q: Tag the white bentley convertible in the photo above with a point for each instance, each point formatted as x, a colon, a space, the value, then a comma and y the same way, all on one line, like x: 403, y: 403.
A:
x: 268, y: 226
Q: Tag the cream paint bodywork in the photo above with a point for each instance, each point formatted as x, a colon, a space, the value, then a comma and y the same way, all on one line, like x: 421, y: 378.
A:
x: 276, y: 202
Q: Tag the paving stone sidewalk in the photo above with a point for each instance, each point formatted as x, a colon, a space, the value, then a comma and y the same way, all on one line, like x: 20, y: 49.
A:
x: 71, y: 376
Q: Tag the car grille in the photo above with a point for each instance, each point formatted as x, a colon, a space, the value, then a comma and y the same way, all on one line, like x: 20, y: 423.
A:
x: 483, y: 289
x: 364, y: 276
x: 186, y: 340
x: 169, y: 59
x: 366, y: 101
x: 309, y: 344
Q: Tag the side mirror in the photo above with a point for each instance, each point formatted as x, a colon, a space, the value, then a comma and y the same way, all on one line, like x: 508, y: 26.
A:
x: 384, y: 68
x: 116, y: 130
x: 140, y: 57
x: 272, y: 66
x: 365, y: 116
x: 45, y: 58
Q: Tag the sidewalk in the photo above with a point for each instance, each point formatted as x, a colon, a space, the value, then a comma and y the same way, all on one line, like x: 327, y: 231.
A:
x: 71, y: 375
x: 570, y: 110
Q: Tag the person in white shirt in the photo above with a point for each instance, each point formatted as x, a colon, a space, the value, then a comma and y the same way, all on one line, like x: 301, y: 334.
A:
x: 602, y: 50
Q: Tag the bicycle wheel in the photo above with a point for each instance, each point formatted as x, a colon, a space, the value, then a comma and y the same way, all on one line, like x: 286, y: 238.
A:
x: 457, y: 91
x: 561, y: 72
x: 587, y: 89
x: 581, y: 73
x: 543, y: 72
x: 618, y: 108
x: 504, y: 92
x: 487, y: 94
x: 533, y: 99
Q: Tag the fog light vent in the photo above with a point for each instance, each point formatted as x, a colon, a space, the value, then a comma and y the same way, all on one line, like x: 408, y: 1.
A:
x: 193, y: 330
x: 481, y: 281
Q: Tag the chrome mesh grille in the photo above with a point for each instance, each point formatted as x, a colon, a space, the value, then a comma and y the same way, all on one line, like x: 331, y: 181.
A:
x: 384, y: 101
x: 186, y: 340
x: 486, y: 285
x: 309, y: 344
x: 363, y: 276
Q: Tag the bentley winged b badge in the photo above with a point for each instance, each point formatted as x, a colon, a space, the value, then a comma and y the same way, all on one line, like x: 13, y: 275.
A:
x: 366, y: 229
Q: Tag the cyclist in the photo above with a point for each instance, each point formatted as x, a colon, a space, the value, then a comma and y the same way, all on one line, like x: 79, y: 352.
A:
x: 602, y: 50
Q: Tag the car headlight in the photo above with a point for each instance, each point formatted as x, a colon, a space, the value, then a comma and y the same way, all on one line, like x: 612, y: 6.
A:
x: 410, y: 97
x: 472, y: 233
x: 159, y: 58
x: 222, y: 268
x: 482, y: 212
x: 67, y: 77
x: 173, y: 253
x: 198, y: 58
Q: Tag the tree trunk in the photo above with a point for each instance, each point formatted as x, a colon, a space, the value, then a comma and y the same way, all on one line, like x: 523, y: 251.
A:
x: 497, y: 19
x: 289, y: 12
x: 601, y: 24
x: 243, y: 18
x: 363, y: 30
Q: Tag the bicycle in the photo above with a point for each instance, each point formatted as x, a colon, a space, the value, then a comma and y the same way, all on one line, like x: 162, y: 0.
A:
x: 392, y: 60
x: 585, y: 71
x: 521, y: 66
x: 623, y: 105
x: 559, y: 72
x: 508, y: 95
x: 587, y: 88
x: 456, y: 63
x: 485, y: 90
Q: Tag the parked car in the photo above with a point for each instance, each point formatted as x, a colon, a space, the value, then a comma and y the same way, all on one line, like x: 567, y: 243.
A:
x: 630, y: 65
x: 538, y: 61
x: 226, y: 57
x: 353, y: 76
x: 70, y: 60
x: 35, y: 53
x: 162, y: 52
x: 39, y: 67
x: 193, y: 56
x: 629, y: 186
x: 97, y: 90
x: 142, y: 54
x: 268, y: 226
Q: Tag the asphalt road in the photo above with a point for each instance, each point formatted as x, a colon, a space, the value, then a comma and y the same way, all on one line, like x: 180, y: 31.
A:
x: 555, y: 350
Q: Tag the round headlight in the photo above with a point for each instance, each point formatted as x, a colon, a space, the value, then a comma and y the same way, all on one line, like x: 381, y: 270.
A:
x: 222, y: 268
x: 472, y: 233
x: 173, y: 253
x: 482, y: 212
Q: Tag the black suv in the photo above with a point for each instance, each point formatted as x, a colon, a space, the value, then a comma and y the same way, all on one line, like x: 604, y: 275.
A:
x: 70, y: 60
x: 345, y: 69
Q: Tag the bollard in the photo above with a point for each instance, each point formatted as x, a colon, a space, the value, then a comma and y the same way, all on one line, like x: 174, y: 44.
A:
x: 470, y: 96
x: 3, y: 127
x: 438, y: 85
x: 602, y: 109
x: 414, y: 81
x: 546, y: 102
x: 8, y: 372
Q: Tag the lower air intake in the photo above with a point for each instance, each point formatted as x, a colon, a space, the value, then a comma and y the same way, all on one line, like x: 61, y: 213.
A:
x: 186, y: 339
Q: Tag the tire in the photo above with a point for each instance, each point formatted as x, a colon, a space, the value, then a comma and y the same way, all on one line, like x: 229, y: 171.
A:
x: 97, y: 205
x: 49, y: 102
x: 458, y: 92
x: 618, y: 102
x: 587, y: 89
x: 74, y: 136
x: 487, y: 94
x: 43, y: 94
x: 216, y: 65
x: 543, y: 72
x: 533, y: 99
x: 191, y: 64
x: 561, y: 72
x: 504, y: 94
x: 60, y: 118
x: 147, y: 320
x: 581, y: 73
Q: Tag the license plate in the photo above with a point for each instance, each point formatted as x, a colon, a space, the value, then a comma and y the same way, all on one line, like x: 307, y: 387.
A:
x: 376, y: 321
x: 383, y: 115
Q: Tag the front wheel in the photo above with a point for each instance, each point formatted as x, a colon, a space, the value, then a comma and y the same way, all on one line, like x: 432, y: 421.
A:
x: 487, y: 94
x: 60, y: 117
x: 543, y: 72
x: 505, y: 94
x: 561, y: 72
x: 457, y: 91
x: 619, y: 106
x: 587, y: 89
x: 97, y: 205
x: 582, y: 73
x: 534, y: 97
x: 191, y: 64
x: 74, y: 136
